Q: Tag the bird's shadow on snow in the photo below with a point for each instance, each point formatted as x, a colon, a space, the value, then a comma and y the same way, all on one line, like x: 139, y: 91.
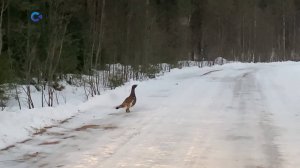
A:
x: 122, y: 112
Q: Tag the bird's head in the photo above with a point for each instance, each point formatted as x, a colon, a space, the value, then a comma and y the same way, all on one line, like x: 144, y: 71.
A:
x: 134, y: 86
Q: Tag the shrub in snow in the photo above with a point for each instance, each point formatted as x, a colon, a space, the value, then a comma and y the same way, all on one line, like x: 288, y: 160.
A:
x: 151, y: 70
x: 58, y: 86
x: 115, y: 81
x: 3, y: 99
x: 220, y: 61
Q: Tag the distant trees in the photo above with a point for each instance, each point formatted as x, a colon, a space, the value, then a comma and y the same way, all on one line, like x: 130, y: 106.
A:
x: 250, y: 30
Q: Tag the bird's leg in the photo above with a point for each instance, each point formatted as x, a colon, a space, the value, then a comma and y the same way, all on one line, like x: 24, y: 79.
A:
x: 127, y: 110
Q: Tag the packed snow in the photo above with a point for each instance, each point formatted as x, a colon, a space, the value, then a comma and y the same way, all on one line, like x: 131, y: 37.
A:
x: 234, y: 115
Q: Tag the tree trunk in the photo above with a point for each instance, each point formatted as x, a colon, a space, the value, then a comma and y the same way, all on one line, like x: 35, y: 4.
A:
x: 3, y: 8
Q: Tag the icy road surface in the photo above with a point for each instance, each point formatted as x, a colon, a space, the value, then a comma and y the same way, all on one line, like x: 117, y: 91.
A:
x: 232, y: 116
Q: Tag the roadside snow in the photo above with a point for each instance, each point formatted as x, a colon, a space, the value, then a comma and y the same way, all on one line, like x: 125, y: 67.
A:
x: 20, y: 125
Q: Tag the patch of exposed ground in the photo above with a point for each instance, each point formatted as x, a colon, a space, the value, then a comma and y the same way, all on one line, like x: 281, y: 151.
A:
x: 44, y: 165
x: 67, y: 137
x: 55, y: 133
x: 109, y: 127
x: 40, y: 131
x: 85, y: 127
x: 210, y: 72
x: 8, y: 147
x: 30, y: 155
x: 49, y: 143
x: 24, y: 141
x: 92, y: 126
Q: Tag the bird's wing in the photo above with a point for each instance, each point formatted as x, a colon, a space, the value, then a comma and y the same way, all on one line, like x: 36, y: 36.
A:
x: 134, y: 101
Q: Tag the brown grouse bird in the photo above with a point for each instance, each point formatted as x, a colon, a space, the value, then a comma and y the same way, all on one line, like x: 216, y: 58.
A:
x: 129, y: 101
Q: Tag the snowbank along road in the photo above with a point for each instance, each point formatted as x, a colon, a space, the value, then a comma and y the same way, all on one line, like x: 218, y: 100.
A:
x: 232, y: 116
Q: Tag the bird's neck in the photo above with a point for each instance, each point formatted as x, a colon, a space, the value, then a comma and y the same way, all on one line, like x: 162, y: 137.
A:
x: 132, y: 92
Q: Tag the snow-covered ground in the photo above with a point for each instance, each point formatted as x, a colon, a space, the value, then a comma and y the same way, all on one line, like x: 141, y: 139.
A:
x: 235, y: 115
x: 17, y: 125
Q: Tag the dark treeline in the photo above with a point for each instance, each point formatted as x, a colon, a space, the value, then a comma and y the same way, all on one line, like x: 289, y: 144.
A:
x: 77, y: 36
x: 80, y: 36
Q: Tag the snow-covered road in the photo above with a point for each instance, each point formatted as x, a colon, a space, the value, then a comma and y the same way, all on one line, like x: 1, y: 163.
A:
x: 232, y: 116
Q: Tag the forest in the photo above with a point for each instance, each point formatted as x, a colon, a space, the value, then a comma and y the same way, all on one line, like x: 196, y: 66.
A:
x: 130, y: 39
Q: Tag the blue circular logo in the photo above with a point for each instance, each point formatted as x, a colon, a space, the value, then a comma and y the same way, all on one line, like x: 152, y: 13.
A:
x: 36, y: 16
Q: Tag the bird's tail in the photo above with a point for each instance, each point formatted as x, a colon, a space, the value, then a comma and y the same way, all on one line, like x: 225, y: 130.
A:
x: 120, y: 106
